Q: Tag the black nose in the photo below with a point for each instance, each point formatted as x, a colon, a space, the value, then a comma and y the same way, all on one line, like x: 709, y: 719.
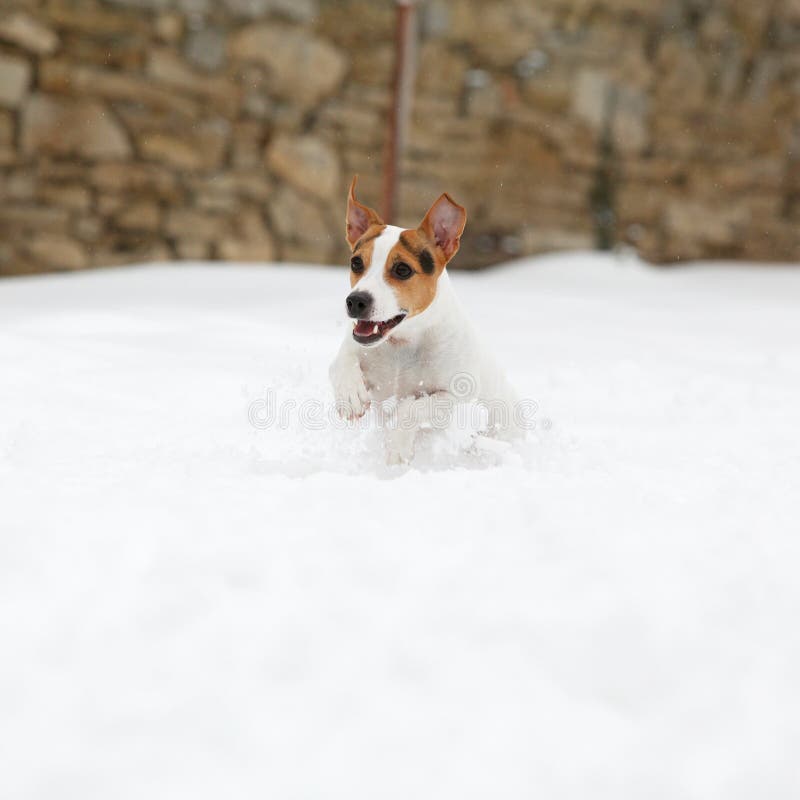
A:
x: 359, y: 305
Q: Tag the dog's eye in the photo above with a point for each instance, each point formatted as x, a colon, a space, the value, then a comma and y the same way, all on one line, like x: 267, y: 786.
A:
x: 402, y: 271
x: 356, y: 264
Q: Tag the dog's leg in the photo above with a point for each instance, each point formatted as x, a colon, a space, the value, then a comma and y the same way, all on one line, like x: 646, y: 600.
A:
x: 433, y: 410
x: 349, y: 389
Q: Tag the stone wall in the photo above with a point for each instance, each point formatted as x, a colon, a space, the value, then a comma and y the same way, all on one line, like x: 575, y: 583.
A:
x: 133, y: 130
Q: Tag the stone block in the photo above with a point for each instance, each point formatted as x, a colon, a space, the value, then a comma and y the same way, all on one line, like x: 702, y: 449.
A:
x: 82, y: 81
x: 307, y: 163
x: 141, y: 215
x: 6, y: 128
x: 72, y: 195
x: 137, y: 178
x: 205, y: 48
x: 302, y: 67
x: 591, y: 100
x: 28, y: 33
x: 95, y: 21
x: 248, y: 144
x: 15, y: 78
x: 166, y: 67
x: 188, y: 222
x: 201, y: 149
x: 296, y: 217
x: 630, y: 123
x: 193, y: 250
x: 57, y: 251
x: 250, y: 227
x: 79, y: 127
x: 299, y: 10
x: 169, y: 27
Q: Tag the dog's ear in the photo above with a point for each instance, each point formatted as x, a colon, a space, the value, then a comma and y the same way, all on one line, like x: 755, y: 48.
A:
x: 444, y: 223
x: 359, y: 217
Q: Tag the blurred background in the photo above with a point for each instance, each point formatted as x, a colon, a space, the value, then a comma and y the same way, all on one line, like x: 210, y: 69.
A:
x: 141, y: 130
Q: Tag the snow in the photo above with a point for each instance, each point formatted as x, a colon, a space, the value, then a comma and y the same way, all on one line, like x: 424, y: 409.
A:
x: 192, y: 605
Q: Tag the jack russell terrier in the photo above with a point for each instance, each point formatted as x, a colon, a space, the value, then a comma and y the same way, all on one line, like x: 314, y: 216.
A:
x: 411, y: 338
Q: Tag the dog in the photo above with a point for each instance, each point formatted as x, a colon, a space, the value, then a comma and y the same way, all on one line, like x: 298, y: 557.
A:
x: 411, y: 338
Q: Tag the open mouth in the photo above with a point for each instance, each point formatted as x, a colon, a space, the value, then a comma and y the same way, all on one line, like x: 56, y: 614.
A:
x: 368, y: 331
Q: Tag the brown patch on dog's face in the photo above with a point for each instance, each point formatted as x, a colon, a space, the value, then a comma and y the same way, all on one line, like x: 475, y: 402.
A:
x: 420, y: 256
x: 362, y: 226
x: 413, y: 269
x: 361, y: 259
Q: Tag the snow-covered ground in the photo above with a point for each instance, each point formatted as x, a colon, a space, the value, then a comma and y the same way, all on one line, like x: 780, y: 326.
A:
x: 194, y: 606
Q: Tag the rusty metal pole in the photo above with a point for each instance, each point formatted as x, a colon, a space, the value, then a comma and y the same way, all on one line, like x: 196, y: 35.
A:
x: 400, y: 111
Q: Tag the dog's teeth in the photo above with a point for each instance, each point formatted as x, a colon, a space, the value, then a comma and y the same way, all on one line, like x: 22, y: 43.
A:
x: 375, y: 329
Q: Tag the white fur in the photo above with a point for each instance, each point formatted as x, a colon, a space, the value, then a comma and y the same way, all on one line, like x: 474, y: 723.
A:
x: 374, y: 279
x: 418, y: 362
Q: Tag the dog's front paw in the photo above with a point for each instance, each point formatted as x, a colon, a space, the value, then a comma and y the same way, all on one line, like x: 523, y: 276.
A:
x: 351, y: 393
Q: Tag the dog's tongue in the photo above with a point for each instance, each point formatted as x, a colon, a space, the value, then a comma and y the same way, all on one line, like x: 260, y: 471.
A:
x: 365, y: 328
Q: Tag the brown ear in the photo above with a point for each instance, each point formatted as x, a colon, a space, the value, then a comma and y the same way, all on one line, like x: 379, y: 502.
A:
x: 444, y: 223
x: 359, y: 217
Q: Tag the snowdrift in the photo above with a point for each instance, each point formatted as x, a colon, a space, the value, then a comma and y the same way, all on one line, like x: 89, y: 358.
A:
x: 199, y: 604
